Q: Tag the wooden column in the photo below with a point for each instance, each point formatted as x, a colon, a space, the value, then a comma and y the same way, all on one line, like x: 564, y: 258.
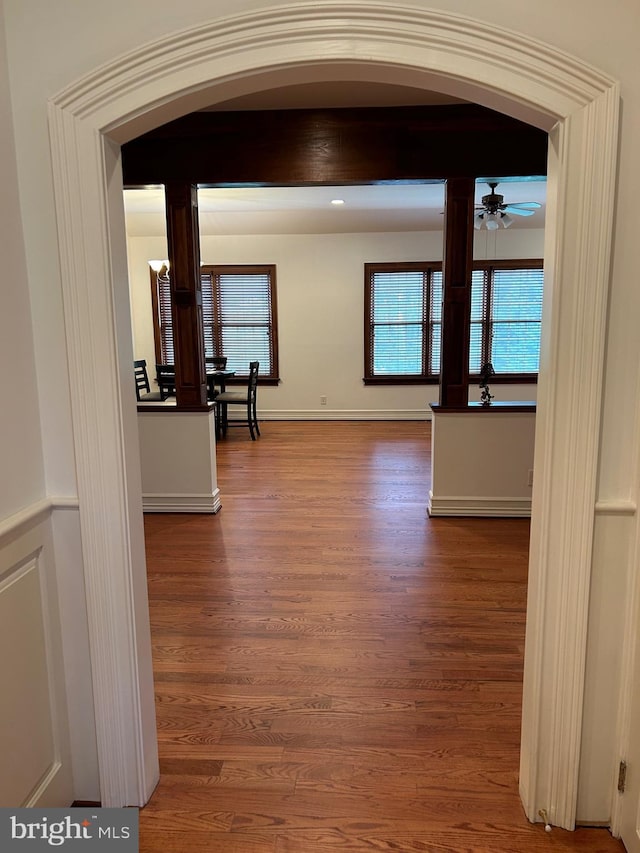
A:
x: 456, y: 308
x: 183, y: 239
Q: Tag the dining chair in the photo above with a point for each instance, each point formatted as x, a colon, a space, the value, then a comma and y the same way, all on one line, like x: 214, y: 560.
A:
x: 214, y: 362
x: 246, y: 398
x: 142, y: 382
x: 141, y: 376
x: 166, y: 377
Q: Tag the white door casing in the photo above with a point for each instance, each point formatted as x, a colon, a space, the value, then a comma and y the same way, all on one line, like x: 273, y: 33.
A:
x: 426, y: 49
x: 625, y: 819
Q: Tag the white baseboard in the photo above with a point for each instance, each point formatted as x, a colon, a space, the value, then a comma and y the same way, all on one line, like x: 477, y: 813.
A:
x: 479, y: 506
x: 325, y: 414
x: 181, y: 503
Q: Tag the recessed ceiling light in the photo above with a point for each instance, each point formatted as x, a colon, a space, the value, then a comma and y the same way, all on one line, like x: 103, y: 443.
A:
x: 337, y: 201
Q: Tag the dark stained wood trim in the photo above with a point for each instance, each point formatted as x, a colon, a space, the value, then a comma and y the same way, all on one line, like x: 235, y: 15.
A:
x: 186, y: 294
x: 506, y: 379
x: 456, y: 291
x: 370, y: 269
x: 498, y: 379
x: 501, y: 406
x: 159, y: 407
x: 509, y: 264
x: 401, y: 380
x: 367, y: 335
x: 215, y: 270
x: 346, y: 145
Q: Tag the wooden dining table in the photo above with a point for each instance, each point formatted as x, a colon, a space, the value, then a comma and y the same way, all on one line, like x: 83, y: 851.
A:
x: 219, y: 378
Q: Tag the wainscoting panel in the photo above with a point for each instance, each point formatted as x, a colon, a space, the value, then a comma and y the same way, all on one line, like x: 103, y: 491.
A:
x: 35, y: 767
x: 25, y: 712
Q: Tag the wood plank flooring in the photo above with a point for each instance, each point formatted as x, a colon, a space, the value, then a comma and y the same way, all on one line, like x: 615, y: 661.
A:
x: 335, y: 671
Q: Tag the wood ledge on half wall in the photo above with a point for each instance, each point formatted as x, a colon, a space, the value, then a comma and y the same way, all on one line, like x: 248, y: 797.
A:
x: 501, y: 406
x: 164, y: 408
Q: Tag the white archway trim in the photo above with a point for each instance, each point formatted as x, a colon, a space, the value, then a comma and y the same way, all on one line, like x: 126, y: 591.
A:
x: 467, y: 50
x: 563, y: 507
x: 428, y: 49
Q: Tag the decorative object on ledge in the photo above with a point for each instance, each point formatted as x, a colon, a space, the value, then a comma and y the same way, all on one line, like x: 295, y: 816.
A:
x: 486, y: 372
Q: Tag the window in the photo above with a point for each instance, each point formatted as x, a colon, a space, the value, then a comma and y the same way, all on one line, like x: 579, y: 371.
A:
x: 506, y: 314
x: 239, y: 317
x: 403, y: 320
x: 162, y: 319
x: 403, y: 305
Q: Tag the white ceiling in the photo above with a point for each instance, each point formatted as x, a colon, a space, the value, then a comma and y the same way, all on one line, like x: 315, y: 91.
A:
x: 308, y: 210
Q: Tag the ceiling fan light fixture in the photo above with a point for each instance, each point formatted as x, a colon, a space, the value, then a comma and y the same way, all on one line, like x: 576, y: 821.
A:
x: 493, y: 211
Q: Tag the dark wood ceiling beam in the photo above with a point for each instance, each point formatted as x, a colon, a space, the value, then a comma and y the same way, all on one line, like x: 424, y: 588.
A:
x: 338, y: 146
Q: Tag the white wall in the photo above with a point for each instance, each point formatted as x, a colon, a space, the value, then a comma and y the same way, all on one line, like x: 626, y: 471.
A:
x: 320, y: 288
x: 70, y: 39
x: 34, y: 737
x: 21, y: 459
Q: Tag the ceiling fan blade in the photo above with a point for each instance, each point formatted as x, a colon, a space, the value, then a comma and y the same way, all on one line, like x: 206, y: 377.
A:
x: 528, y: 205
x: 518, y: 211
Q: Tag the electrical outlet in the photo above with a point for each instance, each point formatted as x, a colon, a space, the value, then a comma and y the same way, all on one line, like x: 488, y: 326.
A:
x: 323, y: 400
x: 530, y: 477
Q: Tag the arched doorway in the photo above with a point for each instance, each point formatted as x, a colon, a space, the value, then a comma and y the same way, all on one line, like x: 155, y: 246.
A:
x: 433, y: 50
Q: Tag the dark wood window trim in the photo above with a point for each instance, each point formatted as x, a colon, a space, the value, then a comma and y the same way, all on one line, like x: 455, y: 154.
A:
x: 488, y: 267
x: 213, y: 324
x: 430, y: 379
x: 213, y: 273
x: 426, y: 323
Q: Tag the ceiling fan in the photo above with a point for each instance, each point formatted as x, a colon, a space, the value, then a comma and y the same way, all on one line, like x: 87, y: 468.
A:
x: 493, y: 211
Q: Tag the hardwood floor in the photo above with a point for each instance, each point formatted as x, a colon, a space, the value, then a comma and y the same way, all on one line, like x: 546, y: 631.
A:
x: 334, y: 670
